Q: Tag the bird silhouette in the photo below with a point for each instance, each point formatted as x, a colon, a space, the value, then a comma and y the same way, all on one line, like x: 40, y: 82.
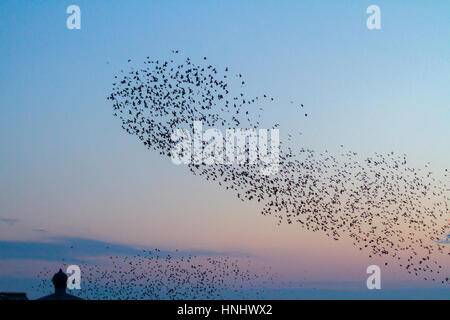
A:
x: 386, y: 207
x: 152, y: 274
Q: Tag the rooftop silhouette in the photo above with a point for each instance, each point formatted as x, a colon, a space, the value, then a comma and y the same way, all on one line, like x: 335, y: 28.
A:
x: 59, y: 280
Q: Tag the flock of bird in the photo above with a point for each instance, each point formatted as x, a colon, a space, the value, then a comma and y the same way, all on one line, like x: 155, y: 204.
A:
x: 386, y: 207
x: 152, y: 274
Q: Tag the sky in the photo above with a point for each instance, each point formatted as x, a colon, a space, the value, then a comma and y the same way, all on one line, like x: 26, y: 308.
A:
x: 68, y: 170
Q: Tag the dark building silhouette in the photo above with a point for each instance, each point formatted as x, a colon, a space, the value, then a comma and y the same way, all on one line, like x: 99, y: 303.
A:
x: 13, y: 296
x: 60, y: 282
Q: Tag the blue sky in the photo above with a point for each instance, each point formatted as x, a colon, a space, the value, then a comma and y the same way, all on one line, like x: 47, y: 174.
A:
x: 68, y: 170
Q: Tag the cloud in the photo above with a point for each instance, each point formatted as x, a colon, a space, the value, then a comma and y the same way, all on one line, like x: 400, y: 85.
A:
x: 57, y: 249
x: 78, y: 249
x: 446, y: 240
x: 40, y: 230
x: 9, y: 221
